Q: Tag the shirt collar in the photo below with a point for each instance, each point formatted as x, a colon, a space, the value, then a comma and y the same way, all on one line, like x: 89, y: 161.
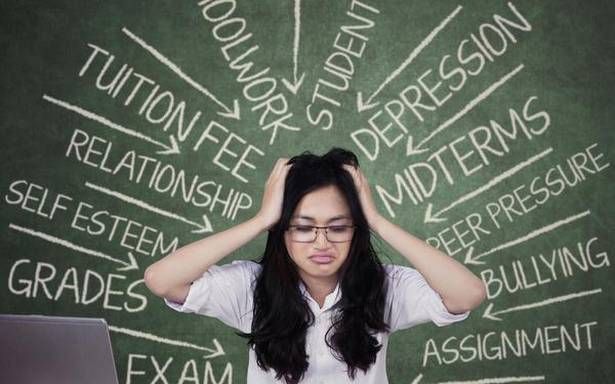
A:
x: 330, y: 300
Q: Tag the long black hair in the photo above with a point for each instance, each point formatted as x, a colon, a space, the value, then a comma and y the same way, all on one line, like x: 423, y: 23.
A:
x: 281, y: 313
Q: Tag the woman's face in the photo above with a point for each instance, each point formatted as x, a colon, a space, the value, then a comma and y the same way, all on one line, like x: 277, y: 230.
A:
x: 323, y: 207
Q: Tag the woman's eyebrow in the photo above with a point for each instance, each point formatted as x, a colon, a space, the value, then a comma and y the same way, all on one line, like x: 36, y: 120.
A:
x: 338, y: 217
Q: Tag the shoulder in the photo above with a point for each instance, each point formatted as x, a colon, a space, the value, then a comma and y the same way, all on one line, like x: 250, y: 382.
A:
x: 400, y: 272
x: 239, y: 265
x: 245, y: 270
x: 250, y: 266
x: 403, y: 278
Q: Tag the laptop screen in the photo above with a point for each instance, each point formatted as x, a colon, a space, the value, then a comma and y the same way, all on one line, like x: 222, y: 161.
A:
x: 51, y: 349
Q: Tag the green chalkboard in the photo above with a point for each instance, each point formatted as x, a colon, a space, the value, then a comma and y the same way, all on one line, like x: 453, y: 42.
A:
x: 131, y: 128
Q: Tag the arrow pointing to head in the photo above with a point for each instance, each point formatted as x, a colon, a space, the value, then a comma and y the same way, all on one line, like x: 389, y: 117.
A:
x: 213, y: 352
x: 227, y: 112
x: 369, y: 103
x: 467, y: 108
x: 492, y: 315
x: 205, y: 226
x: 168, y: 149
x: 535, y: 233
x: 297, y: 80
x: 486, y: 380
x: 130, y: 265
x: 435, y: 217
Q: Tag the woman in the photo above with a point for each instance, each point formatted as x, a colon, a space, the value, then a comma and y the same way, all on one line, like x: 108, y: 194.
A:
x: 319, y: 305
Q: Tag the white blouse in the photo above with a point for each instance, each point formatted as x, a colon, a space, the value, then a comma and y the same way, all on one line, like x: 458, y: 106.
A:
x: 226, y: 292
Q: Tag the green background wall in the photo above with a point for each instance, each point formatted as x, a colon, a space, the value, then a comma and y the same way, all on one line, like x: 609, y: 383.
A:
x: 484, y: 127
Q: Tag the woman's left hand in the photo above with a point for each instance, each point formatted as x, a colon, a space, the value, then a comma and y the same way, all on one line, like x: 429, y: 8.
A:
x: 365, y: 196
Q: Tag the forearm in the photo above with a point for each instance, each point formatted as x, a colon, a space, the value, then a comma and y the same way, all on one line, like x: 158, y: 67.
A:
x: 460, y: 289
x: 189, y: 262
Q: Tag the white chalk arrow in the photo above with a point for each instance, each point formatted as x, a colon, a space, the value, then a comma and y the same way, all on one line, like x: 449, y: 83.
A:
x: 131, y: 264
x: 431, y: 217
x: 212, y: 352
x: 232, y: 113
x: 363, y: 105
x: 296, y: 83
x: 491, y: 314
x: 203, y: 227
x: 168, y: 149
x: 475, y: 260
x: 411, y: 149
x: 487, y: 380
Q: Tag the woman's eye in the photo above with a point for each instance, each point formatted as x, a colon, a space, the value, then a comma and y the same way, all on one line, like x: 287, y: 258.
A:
x: 304, y: 229
x: 338, y: 229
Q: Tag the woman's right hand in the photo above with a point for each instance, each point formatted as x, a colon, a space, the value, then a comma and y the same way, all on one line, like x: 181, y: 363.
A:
x: 271, y: 206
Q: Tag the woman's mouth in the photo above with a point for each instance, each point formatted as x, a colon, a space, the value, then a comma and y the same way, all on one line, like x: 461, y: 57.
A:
x: 321, y: 259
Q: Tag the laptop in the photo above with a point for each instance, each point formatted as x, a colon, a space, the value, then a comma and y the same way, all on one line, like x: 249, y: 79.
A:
x: 53, y: 349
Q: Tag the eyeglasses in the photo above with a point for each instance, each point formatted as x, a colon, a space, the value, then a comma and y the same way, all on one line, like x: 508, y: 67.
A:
x: 333, y: 233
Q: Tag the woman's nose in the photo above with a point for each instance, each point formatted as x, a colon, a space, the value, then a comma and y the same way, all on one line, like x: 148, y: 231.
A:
x: 320, y: 234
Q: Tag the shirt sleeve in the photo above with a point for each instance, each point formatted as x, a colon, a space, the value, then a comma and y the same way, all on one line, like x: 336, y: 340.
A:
x: 413, y: 301
x: 223, y: 292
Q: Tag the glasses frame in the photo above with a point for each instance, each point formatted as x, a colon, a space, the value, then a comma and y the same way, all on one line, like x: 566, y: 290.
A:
x: 316, y: 228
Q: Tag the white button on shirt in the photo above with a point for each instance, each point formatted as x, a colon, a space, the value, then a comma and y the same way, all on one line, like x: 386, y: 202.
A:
x: 226, y: 293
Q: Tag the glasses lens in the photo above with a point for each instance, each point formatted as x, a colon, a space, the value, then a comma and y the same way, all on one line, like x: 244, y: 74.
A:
x: 335, y: 233
x: 339, y: 233
x: 303, y: 234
